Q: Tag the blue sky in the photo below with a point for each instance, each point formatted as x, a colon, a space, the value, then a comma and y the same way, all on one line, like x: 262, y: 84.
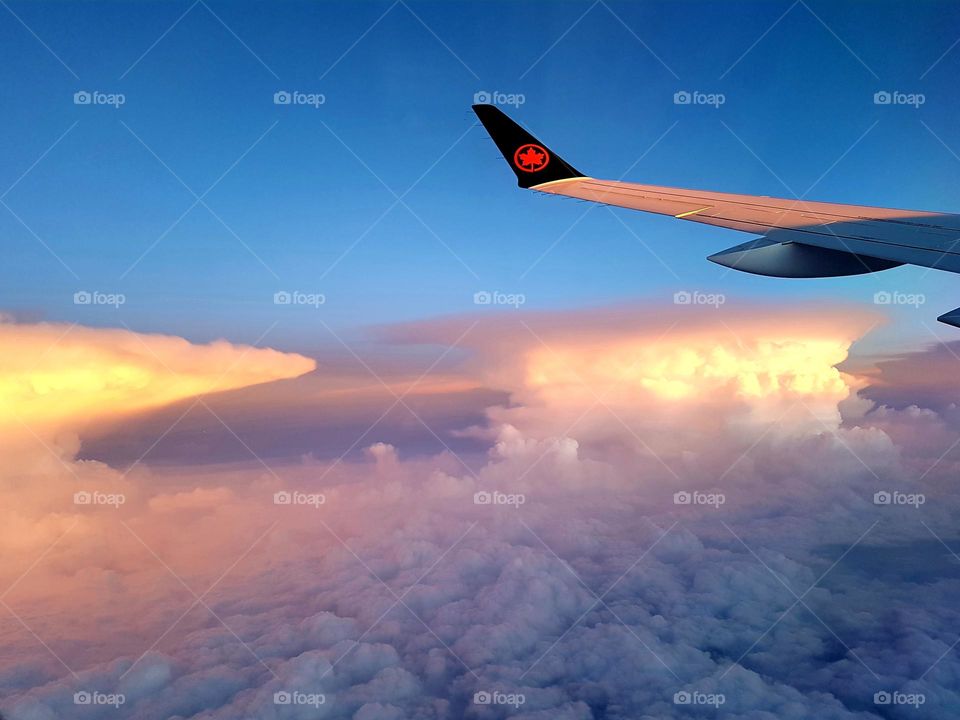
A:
x: 296, y: 189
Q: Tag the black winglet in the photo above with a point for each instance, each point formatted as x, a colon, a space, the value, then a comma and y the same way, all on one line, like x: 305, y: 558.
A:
x: 531, y: 161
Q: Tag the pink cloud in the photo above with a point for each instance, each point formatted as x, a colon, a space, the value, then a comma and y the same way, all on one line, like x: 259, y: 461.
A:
x: 385, y: 586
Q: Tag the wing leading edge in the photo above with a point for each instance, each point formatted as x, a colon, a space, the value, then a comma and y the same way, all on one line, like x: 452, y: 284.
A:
x: 800, y: 238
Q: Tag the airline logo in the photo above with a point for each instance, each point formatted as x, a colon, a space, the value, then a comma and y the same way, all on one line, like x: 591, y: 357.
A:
x: 531, y: 157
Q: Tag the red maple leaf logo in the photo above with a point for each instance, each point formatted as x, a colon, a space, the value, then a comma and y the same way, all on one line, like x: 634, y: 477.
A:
x: 531, y: 158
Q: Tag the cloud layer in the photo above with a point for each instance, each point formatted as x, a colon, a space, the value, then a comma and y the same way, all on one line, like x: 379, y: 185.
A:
x: 667, y: 515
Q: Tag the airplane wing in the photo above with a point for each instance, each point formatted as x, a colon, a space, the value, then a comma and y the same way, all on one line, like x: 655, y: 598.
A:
x: 797, y: 238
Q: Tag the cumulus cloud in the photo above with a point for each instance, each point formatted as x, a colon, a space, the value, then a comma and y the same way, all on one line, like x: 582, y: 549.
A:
x: 558, y: 576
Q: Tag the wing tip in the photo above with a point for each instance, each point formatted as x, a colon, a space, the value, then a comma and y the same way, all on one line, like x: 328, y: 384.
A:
x: 531, y: 161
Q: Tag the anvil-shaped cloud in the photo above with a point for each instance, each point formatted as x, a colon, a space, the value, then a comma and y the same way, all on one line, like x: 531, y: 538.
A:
x: 62, y: 374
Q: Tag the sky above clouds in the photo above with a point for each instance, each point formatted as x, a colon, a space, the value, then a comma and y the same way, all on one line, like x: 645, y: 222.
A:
x: 265, y: 456
x: 202, y: 198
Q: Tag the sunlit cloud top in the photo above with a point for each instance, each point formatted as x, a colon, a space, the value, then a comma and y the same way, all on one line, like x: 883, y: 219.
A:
x: 60, y: 372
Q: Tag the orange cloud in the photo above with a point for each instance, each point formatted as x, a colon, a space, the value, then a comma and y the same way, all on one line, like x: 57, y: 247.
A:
x: 59, y: 374
x: 55, y: 379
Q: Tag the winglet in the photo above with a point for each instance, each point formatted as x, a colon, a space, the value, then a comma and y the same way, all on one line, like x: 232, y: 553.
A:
x: 531, y: 161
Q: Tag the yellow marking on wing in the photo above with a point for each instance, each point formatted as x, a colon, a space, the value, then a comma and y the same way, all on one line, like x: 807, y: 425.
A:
x: 557, y: 182
x: 693, y: 212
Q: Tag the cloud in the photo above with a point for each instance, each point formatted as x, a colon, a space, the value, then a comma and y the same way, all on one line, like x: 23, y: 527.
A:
x: 59, y: 380
x: 574, y: 588
x: 68, y: 373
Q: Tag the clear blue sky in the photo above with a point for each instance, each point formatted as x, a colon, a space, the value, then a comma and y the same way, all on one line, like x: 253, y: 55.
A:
x: 798, y: 93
